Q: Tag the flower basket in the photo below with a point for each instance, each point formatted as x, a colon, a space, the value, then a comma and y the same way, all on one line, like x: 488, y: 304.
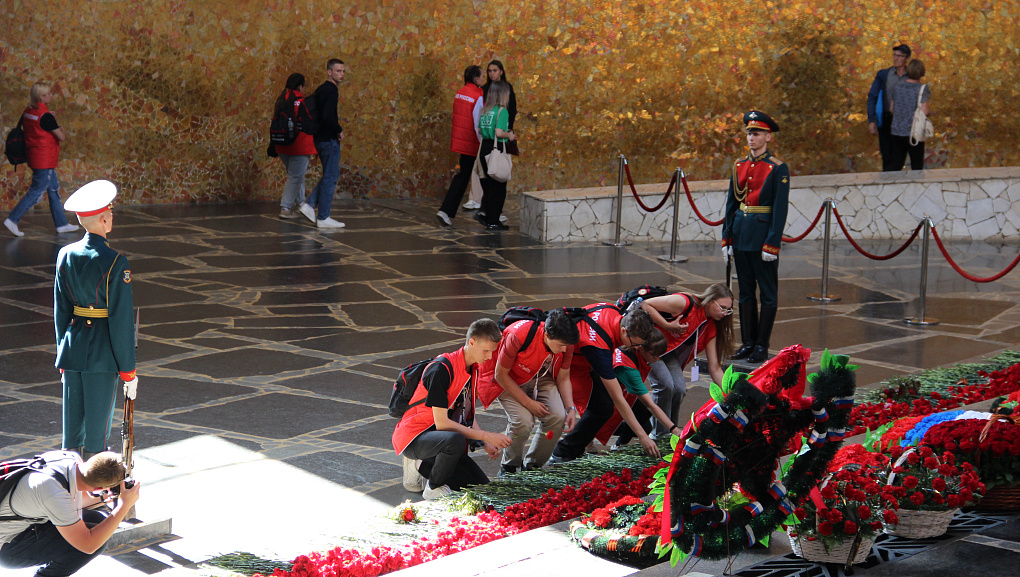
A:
x: 838, y: 552
x: 1000, y: 499
x: 921, y: 524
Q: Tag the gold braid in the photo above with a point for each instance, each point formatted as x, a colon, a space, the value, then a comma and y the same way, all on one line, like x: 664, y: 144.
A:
x: 739, y: 193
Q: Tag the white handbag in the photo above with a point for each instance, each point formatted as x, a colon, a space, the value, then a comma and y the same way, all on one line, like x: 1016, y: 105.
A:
x: 498, y: 161
x: 921, y: 128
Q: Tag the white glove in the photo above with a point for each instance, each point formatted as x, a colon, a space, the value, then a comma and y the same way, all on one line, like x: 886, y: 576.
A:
x: 131, y: 388
x: 768, y: 256
x: 727, y: 253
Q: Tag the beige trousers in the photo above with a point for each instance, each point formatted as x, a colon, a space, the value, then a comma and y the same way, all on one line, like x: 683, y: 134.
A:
x: 520, y: 423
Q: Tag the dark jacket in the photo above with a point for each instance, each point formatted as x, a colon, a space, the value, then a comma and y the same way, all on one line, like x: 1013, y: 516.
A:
x: 326, y: 99
x: 877, y: 86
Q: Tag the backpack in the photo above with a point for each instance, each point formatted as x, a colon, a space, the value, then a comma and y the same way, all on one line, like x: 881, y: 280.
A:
x: 12, y: 471
x: 407, y: 383
x: 626, y: 301
x: 525, y: 313
x: 15, y: 148
x: 308, y: 120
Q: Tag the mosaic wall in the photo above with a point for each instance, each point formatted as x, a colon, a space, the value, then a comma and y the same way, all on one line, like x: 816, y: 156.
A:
x: 171, y: 99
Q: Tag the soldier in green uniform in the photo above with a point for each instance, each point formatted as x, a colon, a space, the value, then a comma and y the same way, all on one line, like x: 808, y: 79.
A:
x: 752, y: 233
x: 93, y: 313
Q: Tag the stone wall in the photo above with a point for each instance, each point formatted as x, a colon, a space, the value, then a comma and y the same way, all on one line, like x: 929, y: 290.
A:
x: 975, y: 204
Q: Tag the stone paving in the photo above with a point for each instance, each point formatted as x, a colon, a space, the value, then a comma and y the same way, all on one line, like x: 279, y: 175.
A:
x: 267, y: 348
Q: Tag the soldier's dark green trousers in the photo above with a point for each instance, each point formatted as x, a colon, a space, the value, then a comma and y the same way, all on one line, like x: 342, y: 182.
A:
x: 88, y: 409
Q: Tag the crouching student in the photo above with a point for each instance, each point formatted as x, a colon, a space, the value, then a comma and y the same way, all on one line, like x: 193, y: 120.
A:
x: 433, y: 434
x: 530, y: 375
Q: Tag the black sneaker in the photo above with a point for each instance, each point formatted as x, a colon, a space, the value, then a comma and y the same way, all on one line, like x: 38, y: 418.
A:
x: 505, y: 470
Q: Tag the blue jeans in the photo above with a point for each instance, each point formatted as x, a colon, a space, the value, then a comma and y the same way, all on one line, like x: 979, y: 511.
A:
x: 322, y: 196
x: 294, y: 190
x: 43, y: 180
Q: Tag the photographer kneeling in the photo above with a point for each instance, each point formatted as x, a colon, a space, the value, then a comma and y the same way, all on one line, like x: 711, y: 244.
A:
x: 43, y: 520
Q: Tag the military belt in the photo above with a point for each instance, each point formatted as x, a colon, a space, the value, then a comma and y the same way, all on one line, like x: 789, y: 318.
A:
x: 91, y: 312
x: 755, y: 209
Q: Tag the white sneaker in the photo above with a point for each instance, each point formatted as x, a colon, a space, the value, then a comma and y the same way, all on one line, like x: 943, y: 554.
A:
x: 441, y: 491
x: 502, y: 218
x: 306, y: 210
x: 444, y: 218
x: 413, y: 481
x: 67, y: 228
x: 13, y: 227
x: 471, y: 205
x: 328, y: 223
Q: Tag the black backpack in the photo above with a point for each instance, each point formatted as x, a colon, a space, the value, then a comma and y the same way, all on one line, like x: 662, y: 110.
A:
x: 407, y: 383
x: 308, y: 117
x: 525, y: 313
x: 15, y: 148
x: 12, y: 471
x: 641, y: 293
x: 283, y: 130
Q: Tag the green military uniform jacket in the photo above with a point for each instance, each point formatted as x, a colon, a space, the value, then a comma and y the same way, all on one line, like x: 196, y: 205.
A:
x: 92, y: 278
x: 757, y: 204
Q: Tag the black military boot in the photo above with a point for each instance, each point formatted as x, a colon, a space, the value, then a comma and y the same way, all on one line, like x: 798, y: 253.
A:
x: 761, y: 347
x: 748, y: 329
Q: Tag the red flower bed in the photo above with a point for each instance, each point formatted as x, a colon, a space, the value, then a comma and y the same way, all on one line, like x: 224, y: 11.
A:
x: 907, y: 401
x: 462, y: 534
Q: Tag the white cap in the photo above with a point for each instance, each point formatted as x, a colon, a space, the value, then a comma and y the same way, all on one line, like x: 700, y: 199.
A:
x: 93, y: 198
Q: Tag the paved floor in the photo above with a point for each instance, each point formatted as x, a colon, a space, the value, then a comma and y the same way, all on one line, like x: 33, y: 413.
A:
x: 267, y: 348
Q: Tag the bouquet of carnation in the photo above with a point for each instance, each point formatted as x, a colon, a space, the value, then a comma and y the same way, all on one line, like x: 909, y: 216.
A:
x: 405, y: 513
x: 852, y: 501
x: 625, y: 530
x: 925, y: 481
x: 992, y: 447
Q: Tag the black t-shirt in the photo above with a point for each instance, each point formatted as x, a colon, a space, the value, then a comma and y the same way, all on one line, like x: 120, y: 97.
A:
x: 48, y: 122
x: 437, y: 380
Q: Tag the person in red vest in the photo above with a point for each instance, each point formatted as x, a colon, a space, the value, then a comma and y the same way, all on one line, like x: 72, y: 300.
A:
x: 42, y: 143
x: 595, y: 387
x: 530, y: 374
x: 434, y: 431
x: 464, y: 140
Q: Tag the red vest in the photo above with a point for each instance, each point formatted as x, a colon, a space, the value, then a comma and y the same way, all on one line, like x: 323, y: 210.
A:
x: 580, y: 368
x: 699, y: 326
x: 43, y: 148
x: 303, y: 144
x: 463, y: 139
x: 527, y: 363
x: 419, y: 418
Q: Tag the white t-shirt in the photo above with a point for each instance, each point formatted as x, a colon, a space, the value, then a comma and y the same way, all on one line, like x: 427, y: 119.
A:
x: 40, y: 496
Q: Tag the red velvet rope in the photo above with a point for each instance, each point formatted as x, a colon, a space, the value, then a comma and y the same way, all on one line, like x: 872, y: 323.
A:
x: 696, y: 211
x: 846, y: 233
x: 626, y: 168
x: 811, y: 227
x: 964, y: 273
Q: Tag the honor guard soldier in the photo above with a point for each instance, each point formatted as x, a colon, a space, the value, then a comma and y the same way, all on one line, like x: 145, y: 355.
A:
x: 752, y: 232
x: 93, y: 313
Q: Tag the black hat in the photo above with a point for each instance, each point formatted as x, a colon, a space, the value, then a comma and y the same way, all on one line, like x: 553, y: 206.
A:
x: 902, y: 48
x: 758, y: 120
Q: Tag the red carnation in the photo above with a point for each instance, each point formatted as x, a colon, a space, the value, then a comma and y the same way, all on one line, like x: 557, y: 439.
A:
x: 863, y: 512
x: 938, y: 483
x: 850, y: 528
x: 925, y: 452
x: 889, y: 516
x: 910, y: 481
x: 408, y: 515
x: 931, y: 463
x: 913, y: 458
x: 549, y: 435
x: 917, y: 498
x: 825, y: 528
x: 800, y: 513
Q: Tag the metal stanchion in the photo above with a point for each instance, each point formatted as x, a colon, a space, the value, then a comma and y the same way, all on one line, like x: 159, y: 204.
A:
x: 672, y: 256
x: 922, y: 320
x: 824, y: 296
x: 619, y: 207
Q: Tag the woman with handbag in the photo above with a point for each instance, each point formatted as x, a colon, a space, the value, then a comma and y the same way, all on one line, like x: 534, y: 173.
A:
x: 495, y: 163
x: 295, y: 156
x: 907, y: 98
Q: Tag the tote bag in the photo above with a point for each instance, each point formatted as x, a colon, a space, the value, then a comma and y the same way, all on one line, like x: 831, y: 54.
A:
x: 498, y: 161
x: 921, y: 128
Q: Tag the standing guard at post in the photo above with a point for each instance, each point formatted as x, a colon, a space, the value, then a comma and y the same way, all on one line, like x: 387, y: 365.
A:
x: 752, y: 233
x: 93, y: 313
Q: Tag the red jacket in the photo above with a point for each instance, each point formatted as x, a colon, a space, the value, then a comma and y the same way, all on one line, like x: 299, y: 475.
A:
x: 580, y: 379
x: 303, y: 144
x: 527, y: 363
x: 464, y: 139
x: 42, y: 146
x: 419, y: 418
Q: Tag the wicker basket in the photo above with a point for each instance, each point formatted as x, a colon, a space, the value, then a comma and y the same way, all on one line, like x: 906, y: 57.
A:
x: 921, y: 524
x: 1000, y: 499
x: 839, y: 553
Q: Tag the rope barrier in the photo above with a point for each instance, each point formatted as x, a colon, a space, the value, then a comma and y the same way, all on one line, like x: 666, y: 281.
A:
x: 790, y: 240
x: 846, y: 233
x: 964, y: 273
x: 672, y: 182
x: 690, y: 199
